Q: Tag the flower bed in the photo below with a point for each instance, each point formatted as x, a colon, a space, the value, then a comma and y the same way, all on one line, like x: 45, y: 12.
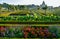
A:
x: 27, y: 32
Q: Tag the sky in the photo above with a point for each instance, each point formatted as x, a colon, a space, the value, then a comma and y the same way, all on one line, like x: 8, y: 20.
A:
x: 54, y: 3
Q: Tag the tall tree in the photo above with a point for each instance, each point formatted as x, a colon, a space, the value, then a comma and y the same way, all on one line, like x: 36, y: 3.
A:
x: 0, y: 7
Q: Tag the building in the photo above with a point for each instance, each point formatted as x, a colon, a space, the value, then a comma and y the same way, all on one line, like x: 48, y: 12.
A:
x: 32, y: 7
x: 50, y: 8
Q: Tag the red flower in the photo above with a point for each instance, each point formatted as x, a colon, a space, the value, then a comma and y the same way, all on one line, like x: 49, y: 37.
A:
x: 42, y: 34
x: 32, y: 32
x: 37, y: 28
x: 32, y: 29
x: 47, y: 34
x: 41, y: 29
x: 2, y: 29
x: 25, y: 34
x: 28, y: 29
x: 45, y: 29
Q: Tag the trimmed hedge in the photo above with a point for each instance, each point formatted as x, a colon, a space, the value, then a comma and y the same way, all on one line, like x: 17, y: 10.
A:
x: 30, y: 18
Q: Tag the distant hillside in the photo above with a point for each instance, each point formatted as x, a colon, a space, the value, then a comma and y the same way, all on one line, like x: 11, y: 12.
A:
x: 57, y: 10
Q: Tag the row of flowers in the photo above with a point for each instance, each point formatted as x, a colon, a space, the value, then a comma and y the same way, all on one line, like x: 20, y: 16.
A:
x: 26, y: 32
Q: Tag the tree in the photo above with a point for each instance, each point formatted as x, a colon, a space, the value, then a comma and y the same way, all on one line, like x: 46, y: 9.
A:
x: 0, y: 7
x: 45, y: 8
x: 22, y: 7
x: 12, y: 8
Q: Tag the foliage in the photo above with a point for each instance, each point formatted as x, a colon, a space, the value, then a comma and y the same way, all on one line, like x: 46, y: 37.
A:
x: 26, y: 18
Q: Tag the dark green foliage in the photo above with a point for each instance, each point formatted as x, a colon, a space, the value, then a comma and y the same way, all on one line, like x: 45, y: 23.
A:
x: 44, y: 8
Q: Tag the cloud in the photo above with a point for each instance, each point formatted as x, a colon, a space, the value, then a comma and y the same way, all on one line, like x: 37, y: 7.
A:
x: 37, y: 2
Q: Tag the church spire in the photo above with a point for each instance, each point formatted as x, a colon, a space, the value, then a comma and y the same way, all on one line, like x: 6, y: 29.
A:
x: 43, y: 3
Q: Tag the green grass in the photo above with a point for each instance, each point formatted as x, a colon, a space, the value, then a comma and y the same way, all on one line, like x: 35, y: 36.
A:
x: 29, y: 38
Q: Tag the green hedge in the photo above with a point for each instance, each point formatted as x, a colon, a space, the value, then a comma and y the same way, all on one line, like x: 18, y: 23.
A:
x: 30, y: 18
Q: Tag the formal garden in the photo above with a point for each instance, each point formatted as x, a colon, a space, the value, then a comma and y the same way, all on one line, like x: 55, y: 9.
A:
x: 23, y: 15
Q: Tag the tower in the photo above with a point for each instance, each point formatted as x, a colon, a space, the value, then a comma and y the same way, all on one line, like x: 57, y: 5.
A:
x: 43, y: 4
